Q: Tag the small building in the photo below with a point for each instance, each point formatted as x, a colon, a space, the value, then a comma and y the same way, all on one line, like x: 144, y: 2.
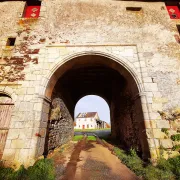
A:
x: 89, y: 120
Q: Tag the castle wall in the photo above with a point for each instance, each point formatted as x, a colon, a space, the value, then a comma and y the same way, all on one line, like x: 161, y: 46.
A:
x: 143, y: 41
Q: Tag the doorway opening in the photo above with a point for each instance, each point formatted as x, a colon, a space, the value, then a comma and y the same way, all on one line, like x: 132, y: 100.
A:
x: 91, y: 113
x: 102, y: 76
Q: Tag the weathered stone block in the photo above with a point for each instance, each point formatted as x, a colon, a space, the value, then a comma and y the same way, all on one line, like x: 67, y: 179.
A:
x: 157, y: 107
x: 166, y: 143
x: 38, y: 106
x: 13, y: 133
x: 154, y: 153
x: 163, y: 124
x: 158, y: 134
x: 9, y: 154
x: 30, y: 90
x: 17, y: 144
x: 150, y: 124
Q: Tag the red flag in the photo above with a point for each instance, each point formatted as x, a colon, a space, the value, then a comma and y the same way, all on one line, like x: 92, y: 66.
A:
x: 32, y: 11
x: 174, y: 12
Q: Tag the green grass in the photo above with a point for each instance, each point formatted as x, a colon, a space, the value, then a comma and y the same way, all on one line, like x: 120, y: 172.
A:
x: 91, y: 138
x: 42, y: 169
x: 165, y: 169
x: 78, y: 137
x: 89, y: 130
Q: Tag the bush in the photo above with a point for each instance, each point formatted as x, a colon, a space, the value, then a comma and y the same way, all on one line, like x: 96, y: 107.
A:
x: 6, y: 173
x: 175, y: 164
x: 175, y: 137
x: 176, y: 147
x: 165, y: 169
x: 154, y: 173
x: 20, y: 174
x: 132, y: 160
x: 165, y: 130
x: 41, y: 170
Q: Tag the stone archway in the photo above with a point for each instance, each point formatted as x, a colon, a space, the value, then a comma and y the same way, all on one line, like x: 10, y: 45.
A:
x: 108, y: 77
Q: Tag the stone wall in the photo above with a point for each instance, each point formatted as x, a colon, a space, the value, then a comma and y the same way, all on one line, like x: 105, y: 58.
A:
x: 60, y: 125
x: 143, y: 42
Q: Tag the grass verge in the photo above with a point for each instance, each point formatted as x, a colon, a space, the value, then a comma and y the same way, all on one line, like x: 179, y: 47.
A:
x: 78, y: 137
x: 89, y: 130
x: 42, y: 169
x: 165, y: 169
x: 91, y: 138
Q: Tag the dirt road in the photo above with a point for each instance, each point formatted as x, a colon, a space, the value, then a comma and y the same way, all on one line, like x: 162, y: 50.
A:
x: 91, y: 161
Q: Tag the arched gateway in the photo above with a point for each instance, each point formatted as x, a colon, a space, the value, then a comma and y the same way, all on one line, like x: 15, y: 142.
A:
x: 104, y: 75
x: 91, y: 72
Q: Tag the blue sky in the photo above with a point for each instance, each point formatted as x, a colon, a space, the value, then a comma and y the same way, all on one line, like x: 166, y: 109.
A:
x: 93, y: 103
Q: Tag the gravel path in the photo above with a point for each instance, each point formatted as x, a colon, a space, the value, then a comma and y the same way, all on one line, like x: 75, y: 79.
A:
x: 89, y: 160
x: 98, y: 163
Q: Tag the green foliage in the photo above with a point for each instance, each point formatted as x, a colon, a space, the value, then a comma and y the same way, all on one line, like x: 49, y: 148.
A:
x: 165, y: 169
x: 175, y: 137
x: 6, y: 173
x: 176, y: 147
x: 89, y: 130
x: 165, y: 130
x: 91, y: 138
x: 78, y: 137
x: 132, y: 160
x: 132, y: 152
x: 42, y: 169
x: 154, y: 173
x: 20, y: 174
x: 175, y: 164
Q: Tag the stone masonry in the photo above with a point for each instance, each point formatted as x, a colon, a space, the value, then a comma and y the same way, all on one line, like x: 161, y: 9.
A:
x: 143, y: 42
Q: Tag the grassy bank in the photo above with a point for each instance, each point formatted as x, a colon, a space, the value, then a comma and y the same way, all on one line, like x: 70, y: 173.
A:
x: 89, y: 130
x: 165, y: 169
x: 41, y: 170
x: 91, y: 138
x: 80, y: 137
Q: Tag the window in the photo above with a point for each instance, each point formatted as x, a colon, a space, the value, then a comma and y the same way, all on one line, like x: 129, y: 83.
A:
x: 79, y: 126
x: 10, y: 41
x: 173, y: 9
x: 133, y: 8
x: 32, y: 9
x: 87, y: 126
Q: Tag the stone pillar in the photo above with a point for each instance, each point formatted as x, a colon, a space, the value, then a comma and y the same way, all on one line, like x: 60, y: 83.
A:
x: 150, y: 126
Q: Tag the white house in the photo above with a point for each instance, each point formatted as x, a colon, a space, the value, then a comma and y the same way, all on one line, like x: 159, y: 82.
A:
x: 89, y: 120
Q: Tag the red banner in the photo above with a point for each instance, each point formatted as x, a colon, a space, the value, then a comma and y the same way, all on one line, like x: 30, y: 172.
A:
x: 174, y: 12
x: 32, y: 11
